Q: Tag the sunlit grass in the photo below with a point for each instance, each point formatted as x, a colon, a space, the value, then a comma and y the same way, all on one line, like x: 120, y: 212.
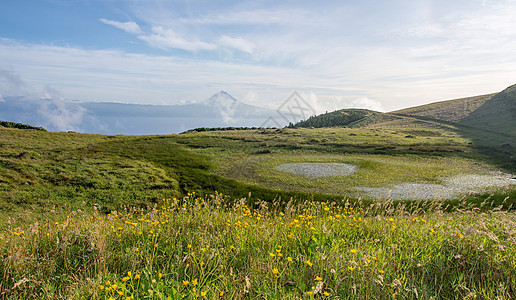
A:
x: 214, y: 247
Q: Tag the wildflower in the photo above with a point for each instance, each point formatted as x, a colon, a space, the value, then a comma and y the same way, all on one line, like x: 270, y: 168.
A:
x: 129, y: 273
x: 185, y: 282
x: 194, y: 282
x: 275, y: 271
x: 101, y: 287
x: 317, y: 278
x: 289, y: 259
x: 326, y: 294
x: 308, y: 263
x: 155, y: 245
x: 353, y: 251
x: 432, y: 231
x: 309, y: 293
x: 381, y: 271
x: 189, y: 246
x: 120, y: 293
x: 272, y: 254
x: 125, y: 279
x: 137, y: 276
x: 203, y: 294
x: 160, y: 275
x: 221, y: 294
x: 351, y: 268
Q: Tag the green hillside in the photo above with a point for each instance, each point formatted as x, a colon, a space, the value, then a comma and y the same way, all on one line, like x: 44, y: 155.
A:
x: 338, y: 118
x: 449, y: 111
x: 488, y: 120
x: 497, y: 114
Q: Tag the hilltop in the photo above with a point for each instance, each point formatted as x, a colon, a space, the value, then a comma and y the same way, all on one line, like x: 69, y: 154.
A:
x: 338, y: 118
x: 494, y: 113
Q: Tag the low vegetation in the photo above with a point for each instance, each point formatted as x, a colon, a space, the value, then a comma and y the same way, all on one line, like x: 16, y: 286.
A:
x: 338, y: 118
x: 19, y: 126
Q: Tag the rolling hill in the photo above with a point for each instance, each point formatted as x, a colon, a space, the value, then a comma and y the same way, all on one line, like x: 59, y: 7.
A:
x: 494, y: 113
x: 339, y: 118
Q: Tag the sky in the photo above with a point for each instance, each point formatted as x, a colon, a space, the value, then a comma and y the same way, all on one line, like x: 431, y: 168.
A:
x: 375, y: 54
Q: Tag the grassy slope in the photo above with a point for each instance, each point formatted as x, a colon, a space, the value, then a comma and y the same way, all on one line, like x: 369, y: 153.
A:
x: 450, y: 111
x: 488, y: 121
x: 44, y: 173
x: 498, y: 114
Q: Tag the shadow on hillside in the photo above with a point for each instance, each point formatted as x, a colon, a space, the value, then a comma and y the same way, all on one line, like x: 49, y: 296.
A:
x: 496, y: 148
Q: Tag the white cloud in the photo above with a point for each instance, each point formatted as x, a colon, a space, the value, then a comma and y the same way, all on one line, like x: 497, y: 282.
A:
x: 364, y: 102
x: 168, y: 39
x: 238, y: 43
x: 130, y: 27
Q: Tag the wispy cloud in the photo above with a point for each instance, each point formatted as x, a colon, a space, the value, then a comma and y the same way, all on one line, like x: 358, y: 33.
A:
x: 238, y: 43
x: 168, y: 39
x: 130, y: 27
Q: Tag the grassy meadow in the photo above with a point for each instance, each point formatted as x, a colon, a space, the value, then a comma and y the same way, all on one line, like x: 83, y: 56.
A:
x: 217, y: 248
x: 205, y: 215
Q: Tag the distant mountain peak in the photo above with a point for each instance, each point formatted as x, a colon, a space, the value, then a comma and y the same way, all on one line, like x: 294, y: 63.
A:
x: 221, y: 98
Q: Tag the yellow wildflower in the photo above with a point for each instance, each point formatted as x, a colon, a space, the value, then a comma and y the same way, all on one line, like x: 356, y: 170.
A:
x: 194, y: 282
x: 125, y: 279
x: 137, y: 276
x: 353, y: 251
x: 203, y: 294
x: 308, y: 263
x: 185, y: 282
x: 317, y: 278
x: 351, y: 268
x: 289, y: 259
x: 275, y: 271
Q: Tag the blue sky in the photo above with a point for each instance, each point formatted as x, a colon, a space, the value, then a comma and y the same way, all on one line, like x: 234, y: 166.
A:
x: 382, y: 55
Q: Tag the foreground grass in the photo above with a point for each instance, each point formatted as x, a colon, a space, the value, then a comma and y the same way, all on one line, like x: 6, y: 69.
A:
x: 214, y: 247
